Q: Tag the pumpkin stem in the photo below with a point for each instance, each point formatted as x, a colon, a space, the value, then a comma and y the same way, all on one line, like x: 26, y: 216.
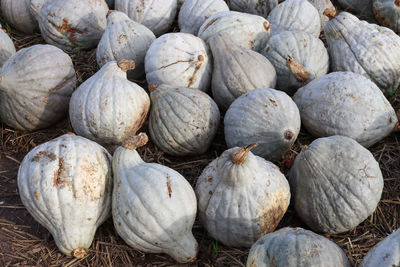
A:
x: 109, y: 12
x: 79, y: 253
x: 239, y: 156
x: 70, y: 133
x: 298, y: 70
x: 133, y: 142
x: 330, y: 13
x: 126, y: 64
x: 152, y: 87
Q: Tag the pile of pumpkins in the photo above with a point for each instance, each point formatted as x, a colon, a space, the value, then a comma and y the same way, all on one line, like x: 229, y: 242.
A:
x: 267, y: 71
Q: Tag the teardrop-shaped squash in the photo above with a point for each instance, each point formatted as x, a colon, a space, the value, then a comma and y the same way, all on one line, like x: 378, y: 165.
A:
x: 66, y: 186
x: 250, y: 31
x: 257, y: 7
x: 346, y: 103
x: 17, y: 13
x: 295, y: 15
x: 385, y: 254
x: 35, y: 87
x: 387, y: 13
x: 7, y: 48
x: 264, y: 116
x: 336, y: 184
x: 193, y: 13
x: 237, y: 70
x: 368, y: 49
x: 153, y: 206
x: 183, y: 121
x: 157, y: 15
x: 107, y: 108
x: 70, y: 24
x: 179, y: 59
x: 296, y: 247
x: 241, y: 197
x: 124, y: 39
x: 298, y: 58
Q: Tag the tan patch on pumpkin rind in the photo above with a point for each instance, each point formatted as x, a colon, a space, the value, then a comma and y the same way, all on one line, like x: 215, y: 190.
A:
x: 269, y: 217
x: 58, y: 181
x: 267, y: 28
x: 36, y: 195
x: 42, y: 154
x: 169, y: 187
x: 209, y: 24
x: 193, y: 78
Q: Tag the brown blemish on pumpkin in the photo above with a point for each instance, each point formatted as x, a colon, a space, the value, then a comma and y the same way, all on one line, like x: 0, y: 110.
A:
x: 70, y: 133
x: 169, y: 187
x: 193, y: 78
x: 79, y: 253
x: 267, y: 26
x: 36, y: 195
x: 351, y: 95
x: 273, y: 102
x: 89, y: 219
x: 58, y: 181
x: 239, y: 156
x: 200, y: 58
x: 42, y: 154
x: 397, y: 3
x: 299, y: 71
x: 253, y: 263
x: 271, y: 213
x: 330, y: 13
x: 397, y: 126
x: 288, y: 134
x: 66, y: 29
x: 366, y: 173
x: 209, y: 24
x: 136, y: 141
x: 152, y: 87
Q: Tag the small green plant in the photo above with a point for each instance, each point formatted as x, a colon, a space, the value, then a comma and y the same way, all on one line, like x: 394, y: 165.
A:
x: 215, y: 249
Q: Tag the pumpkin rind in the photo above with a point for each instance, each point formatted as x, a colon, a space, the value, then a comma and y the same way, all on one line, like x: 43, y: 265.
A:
x: 296, y: 247
x: 179, y: 59
x: 257, y: 7
x: 237, y: 70
x: 346, y: 103
x: 264, y: 116
x: 295, y: 15
x: 153, y: 207
x: 385, y: 254
x: 7, y: 48
x: 250, y: 31
x: 387, y: 13
x: 157, y: 15
x: 363, y: 8
x: 66, y: 186
x: 368, y: 49
x: 240, y: 203
x: 193, y: 13
x: 35, y: 87
x: 336, y: 184
x: 69, y: 24
x: 107, y: 108
x: 183, y: 121
x: 124, y: 39
x: 321, y: 6
x: 17, y: 14
x: 303, y: 47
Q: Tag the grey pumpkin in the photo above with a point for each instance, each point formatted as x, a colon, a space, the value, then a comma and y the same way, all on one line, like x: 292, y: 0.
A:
x: 264, y: 116
x: 387, y: 13
x: 364, y: 48
x: 257, y: 7
x: 35, y: 87
x: 292, y: 15
x: 336, y: 184
x: 7, y: 48
x: 17, y: 14
x: 296, y: 247
x: 237, y: 70
x: 363, y: 8
x: 385, y: 254
x: 183, y: 121
x: 346, y: 103
x: 298, y: 58
x: 124, y: 39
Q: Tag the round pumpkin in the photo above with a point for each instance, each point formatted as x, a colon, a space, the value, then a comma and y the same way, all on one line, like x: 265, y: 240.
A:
x: 17, y: 13
x: 237, y: 70
x: 296, y: 247
x: 7, y: 48
x: 346, y: 103
x: 66, y: 186
x: 153, y: 206
x: 336, y: 184
x: 35, y: 87
x: 70, y: 24
x: 241, y: 197
x: 107, y: 108
x: 124, y: 39
x: 264, y: 116
x: 257, y: 7
x: 183, y: 121
x: 179, y: 59
x: 363, y: 8
x: 157, y: 15
x: 387, y: 13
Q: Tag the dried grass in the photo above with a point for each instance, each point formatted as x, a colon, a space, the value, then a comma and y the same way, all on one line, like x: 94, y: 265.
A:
x: 23, y: 242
